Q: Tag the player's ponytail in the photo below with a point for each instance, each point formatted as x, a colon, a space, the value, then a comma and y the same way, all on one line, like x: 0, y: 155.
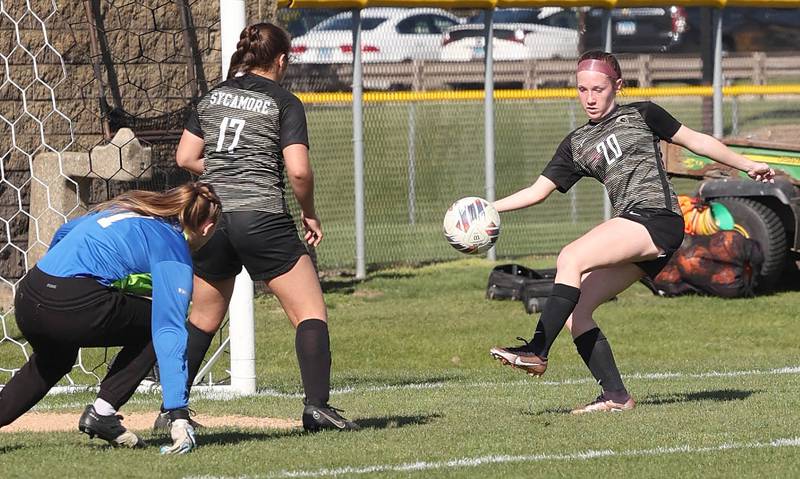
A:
x: 260, y: 45
x: 192, y: 204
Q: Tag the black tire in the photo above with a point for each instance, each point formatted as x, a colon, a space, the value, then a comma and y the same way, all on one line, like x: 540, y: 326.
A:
x: 765, y: 228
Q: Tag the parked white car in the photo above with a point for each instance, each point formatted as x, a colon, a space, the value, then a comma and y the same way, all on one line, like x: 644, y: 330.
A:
x: 519, y: 34
x: 387, y: 35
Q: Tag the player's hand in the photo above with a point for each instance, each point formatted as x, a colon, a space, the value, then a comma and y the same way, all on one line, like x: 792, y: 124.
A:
x: 313, y: 229
x: 182, y: 438
x: 761, y: 172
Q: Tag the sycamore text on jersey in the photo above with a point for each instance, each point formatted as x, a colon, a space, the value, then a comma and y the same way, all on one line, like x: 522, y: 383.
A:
x: 242, y: 102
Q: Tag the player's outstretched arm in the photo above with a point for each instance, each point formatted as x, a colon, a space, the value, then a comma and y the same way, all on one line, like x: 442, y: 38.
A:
x: 710, y: 147
x: 536, y: 193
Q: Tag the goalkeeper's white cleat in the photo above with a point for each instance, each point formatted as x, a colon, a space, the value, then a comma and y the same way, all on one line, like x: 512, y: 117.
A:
x: 183, y: 440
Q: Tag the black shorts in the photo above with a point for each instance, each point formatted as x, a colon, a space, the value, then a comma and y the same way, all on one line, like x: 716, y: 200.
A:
x: 79, y: 312
x: 666, y: 230
x: 266, y: 244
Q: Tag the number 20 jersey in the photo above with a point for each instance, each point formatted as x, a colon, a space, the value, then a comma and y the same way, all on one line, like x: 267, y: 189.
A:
x: 622, y: 152
x: 246, y: 122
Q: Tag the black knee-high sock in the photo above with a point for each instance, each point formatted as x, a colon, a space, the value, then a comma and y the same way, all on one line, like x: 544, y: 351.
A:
x: 596, y: 353
x: 312, y: 344
x: 559, y: 306
x: 196, y: 348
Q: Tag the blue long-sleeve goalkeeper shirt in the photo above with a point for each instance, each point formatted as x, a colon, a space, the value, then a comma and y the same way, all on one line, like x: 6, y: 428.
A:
x: 112, y: 245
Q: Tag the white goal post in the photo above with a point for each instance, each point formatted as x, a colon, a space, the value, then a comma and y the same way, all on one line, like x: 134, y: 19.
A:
x: 233, y: 19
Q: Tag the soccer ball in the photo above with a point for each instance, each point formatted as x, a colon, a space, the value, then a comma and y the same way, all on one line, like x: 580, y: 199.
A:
x: 471, y: 225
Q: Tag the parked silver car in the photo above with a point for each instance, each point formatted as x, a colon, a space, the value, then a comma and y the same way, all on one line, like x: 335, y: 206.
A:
x: 388, y: 35
x: 519, y: 34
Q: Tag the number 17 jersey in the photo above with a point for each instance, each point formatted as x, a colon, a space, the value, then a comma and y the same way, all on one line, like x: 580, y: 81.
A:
x: 621, y: 151
x: 246, y: 122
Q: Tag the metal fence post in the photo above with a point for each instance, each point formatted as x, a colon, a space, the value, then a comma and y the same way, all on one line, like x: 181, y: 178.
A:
x: 573, y: 195
x: 717, y: 22
x: 488, y: 114
x: 607, y: 46
x: 358, y: 146
x: 412, y: 162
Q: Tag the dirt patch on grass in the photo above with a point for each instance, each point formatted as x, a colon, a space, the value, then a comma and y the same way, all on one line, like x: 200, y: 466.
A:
x: 41, y: 422
x: 367, y: 293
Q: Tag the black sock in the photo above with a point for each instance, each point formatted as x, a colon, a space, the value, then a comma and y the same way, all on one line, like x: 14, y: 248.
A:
x: 596, y: 353
x: 557, y: 309
x: 197, y: 345
x: 196, y: 348
x: 312, y: 344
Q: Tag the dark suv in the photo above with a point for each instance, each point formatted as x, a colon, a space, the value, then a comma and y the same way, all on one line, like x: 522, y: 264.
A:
x: 747, y: 30
x: 680, y: 30
x: 635, y: 30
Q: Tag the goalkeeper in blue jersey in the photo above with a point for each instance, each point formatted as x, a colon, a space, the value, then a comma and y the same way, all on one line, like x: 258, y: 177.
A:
x: 68, y: 301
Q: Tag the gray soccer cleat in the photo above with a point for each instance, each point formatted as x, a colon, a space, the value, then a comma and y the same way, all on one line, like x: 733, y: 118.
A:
x: 108, y: 428
x: 317, y: 418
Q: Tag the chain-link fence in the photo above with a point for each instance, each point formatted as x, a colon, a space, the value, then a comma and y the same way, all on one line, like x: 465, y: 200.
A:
x: 93, y: 96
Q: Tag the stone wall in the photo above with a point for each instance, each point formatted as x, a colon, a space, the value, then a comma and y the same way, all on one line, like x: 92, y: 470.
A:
x: 63, y: 87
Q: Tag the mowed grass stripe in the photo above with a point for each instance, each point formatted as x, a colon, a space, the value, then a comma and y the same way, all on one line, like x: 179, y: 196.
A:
x: 470, y: 462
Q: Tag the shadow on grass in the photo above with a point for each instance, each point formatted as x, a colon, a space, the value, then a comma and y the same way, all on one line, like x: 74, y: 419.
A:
x: 555, y: 410
x: 233, y: 436
x: 345, y: 282
x: 715, y: 395
x: 393, y: 422
x: 9, y: 448
x: 718, y: 395
x: 358, y: 382
x: 229, y: 437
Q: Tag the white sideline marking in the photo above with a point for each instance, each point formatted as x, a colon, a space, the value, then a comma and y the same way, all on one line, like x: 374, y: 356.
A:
x: 223, y: 395
x: 504, y: 459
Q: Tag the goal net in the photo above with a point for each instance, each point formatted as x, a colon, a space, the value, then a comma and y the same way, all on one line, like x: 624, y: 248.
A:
x: 93, y: 97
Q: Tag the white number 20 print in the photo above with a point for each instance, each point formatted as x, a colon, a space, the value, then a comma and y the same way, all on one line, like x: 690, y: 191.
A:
x: 226, y: 123
x: 612, y: 144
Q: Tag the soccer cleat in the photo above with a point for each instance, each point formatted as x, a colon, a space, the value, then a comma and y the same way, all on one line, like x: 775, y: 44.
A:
x: 601, y: 404
x: 163, y: 423
x: 519, y: 357
x: 108, y: 428
x: 182, y: 433
x: 316, y: 418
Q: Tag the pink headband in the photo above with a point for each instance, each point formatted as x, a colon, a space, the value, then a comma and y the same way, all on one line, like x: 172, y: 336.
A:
x: 593, y: 65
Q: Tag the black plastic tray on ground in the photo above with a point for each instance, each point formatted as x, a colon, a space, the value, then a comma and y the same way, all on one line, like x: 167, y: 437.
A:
x: 516, y: 282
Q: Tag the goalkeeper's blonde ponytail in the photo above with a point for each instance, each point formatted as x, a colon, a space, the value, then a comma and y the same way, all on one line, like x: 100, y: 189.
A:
x: 192, y: 204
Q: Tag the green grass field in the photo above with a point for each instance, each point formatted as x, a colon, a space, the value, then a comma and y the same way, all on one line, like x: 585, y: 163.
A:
x: 716, y: 382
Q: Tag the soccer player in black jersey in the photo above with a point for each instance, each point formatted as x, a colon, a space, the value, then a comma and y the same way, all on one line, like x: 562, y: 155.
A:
x: 618, y: 146
x: 241, y: 136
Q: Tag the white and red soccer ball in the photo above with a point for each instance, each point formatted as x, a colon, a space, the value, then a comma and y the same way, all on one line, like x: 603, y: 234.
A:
x: 471, y: 225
